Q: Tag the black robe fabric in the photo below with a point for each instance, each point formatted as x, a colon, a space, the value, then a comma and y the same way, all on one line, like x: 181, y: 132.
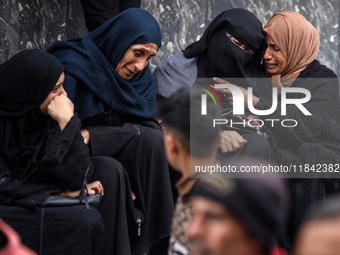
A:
x: 59, y: 163
x: 315, y: 140
x: 97, y: 13
x: 139, y: 148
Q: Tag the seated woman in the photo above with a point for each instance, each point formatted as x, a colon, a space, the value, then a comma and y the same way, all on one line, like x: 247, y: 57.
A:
x: 108, y: 79
x: 290, y: 61
x: 231, y: 48
x: 42, y: 152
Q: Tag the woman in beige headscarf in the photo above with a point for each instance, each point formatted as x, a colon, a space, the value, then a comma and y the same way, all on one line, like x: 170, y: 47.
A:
x: 289, y: 59
x: 314, y: 143
x: 292, y: 44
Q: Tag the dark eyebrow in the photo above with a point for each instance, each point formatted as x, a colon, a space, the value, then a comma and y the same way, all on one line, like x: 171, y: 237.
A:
x: 58, y: 85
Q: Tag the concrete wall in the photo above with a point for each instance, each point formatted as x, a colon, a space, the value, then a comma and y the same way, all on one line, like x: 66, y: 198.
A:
x: 38, y: 23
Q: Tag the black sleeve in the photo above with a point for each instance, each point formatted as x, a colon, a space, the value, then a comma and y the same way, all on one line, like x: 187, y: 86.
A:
x: 13, y: 190
x: 63, y: 159
x: 60, y: 163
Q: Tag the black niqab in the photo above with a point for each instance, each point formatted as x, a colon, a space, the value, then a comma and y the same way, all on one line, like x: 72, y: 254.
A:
x: 25, y: 82
x: 219, y: 57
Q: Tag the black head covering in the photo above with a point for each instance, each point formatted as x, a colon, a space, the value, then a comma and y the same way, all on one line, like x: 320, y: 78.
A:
x: 91, y: 79
x: 26, y: 81
x: 219, y: 57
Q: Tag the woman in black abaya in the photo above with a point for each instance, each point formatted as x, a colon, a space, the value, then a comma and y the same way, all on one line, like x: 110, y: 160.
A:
x: 42, y: 152
x: 108, y: 79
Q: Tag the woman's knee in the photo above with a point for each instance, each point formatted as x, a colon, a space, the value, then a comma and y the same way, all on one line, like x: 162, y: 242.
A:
x: 107, y: 168
x: 153, y: 138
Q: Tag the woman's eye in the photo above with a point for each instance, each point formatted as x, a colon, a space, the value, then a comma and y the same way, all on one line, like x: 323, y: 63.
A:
x: 248, y: 51
x: 276, y: 48
x: 138, y: 53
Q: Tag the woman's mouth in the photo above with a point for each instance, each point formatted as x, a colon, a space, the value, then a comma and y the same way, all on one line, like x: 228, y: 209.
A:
x: 270, y: 65
x: 129, y: 71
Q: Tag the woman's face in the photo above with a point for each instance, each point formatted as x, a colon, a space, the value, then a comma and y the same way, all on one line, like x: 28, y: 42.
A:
x: 135, y: 59
x: 274, y: 60
x: 56, y: 91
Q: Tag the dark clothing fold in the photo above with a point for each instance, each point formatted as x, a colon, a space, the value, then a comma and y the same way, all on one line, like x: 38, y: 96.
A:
x: 57, y: 230
x: 140, y: 149
x: 59, y: 163
x: 97, y: 12
x: 316, y: 138
x: 116, y: 207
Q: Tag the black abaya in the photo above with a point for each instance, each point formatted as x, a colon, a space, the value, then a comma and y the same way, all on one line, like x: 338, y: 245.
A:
x: 140, y: 149
x: 37, y: 159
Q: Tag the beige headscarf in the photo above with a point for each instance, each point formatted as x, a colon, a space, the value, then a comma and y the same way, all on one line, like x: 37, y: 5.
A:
x: 298, y: 41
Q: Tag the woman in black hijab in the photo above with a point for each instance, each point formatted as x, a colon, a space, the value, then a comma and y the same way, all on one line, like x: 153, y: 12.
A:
x: 230, y: 47
x: 42, y: 152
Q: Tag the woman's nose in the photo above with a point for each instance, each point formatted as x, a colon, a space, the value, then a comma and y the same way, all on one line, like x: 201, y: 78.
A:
x: 140, y: 65
x: 267, y: 53
x: 62, y: 91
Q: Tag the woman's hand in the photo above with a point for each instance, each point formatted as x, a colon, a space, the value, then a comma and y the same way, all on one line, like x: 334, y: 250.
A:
x: 93, y: 188
x: 231, y: 141
x: 229, y: 96
x: 61, y: 109
x: 86, y: 135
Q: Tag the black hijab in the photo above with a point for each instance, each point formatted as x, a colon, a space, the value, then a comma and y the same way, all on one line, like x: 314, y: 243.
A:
x: 219, y: 57
x: 26, y: 81
x: 91, y: 79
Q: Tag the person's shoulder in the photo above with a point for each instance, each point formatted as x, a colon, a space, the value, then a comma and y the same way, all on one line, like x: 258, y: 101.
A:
x: 317, y: 70
x: 177, y: 60
x: 174, y: 73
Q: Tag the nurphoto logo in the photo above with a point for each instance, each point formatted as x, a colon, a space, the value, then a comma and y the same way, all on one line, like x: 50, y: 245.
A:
x: 239, y: 107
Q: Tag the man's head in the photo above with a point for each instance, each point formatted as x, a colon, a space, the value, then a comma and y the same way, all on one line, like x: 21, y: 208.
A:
x: 187, y: 131
x: 320, y: 234
x: 236, y: 216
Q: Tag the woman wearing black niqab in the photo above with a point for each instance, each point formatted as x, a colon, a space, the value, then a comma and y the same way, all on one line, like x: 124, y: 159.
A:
x: 218, y: 56
x: 42, y: 152
x: 230, y: 48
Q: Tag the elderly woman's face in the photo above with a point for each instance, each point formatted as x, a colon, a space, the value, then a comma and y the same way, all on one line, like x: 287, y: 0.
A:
x: 274, y: 60
x: 135, y: 59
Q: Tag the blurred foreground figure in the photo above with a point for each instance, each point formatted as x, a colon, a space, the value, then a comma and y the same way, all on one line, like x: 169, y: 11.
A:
x: 237, y: 216
x: 320, y: 234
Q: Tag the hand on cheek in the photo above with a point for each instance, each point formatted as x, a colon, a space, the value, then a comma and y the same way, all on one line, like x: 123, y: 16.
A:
x: 61, y: 109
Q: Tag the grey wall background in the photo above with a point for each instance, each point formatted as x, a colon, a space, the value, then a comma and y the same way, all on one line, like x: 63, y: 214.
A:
x: 39, y: 23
